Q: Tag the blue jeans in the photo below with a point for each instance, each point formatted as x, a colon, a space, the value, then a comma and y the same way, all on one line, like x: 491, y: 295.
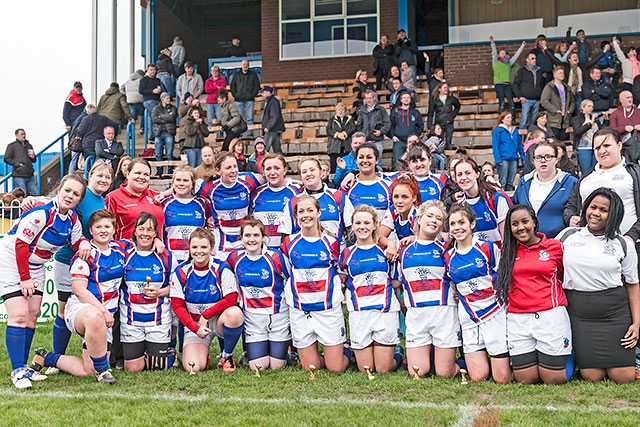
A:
x: 440, y: 161
x: 272, y: 142
x: 245, y: 108
x: 507, y: 173
x: 168, y: 83
x: 586, y: 159
x: 399, y: 147
x: 29, y: 185
x: 149, y: 105
x: 194, y: 157
x: 213, y: 112
x: 578, y: 98
x: 503, y: 90
x: 529, y: 111
x: 73, y: 164
x: 164, y: 147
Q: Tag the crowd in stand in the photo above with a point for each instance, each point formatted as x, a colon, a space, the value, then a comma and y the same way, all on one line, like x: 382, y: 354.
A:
x: 521, y: 285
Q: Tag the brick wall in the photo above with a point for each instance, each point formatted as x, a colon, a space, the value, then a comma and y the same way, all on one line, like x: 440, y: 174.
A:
x: 471, y: 64
x: 275, y: 70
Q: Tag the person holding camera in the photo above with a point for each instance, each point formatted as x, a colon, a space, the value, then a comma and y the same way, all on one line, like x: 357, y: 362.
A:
x: 405, y: 49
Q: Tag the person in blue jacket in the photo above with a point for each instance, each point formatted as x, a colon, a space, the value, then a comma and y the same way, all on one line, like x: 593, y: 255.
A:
x: 507, y: 149
x: 546, y: 189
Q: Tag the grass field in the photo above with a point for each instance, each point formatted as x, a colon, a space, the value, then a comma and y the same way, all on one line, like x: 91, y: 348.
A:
x: 289, y: 398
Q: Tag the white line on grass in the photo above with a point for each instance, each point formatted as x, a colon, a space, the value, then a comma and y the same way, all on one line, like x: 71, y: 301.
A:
x: 468, y: 413
x: 305, y: 400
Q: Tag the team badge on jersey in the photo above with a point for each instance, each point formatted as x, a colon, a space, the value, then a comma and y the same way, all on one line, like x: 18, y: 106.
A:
x: 609, y: 250
x: 264, y: 274
x: 323, y: 256
x: 479, y: 262
x: 544, y: 255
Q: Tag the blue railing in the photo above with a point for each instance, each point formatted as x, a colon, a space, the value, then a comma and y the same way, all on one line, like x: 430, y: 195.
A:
x: 130, y: 149
x: 38, y: 165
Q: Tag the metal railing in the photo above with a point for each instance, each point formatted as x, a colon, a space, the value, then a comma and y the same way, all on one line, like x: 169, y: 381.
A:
x: 130, y: 149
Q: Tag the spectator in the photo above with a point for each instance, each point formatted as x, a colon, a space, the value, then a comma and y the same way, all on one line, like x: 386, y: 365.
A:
x: 187, y: 104
x: 229, y: 118
x: 528, y: 86
x: 541, y: 123
x: 339, y: 130
x: 212, y: 86
x: 190, y: 81
x: 245, y: 86
x: 113, y: 104
x: 21, y: 157
x: 150, y: 87
x: 206, y: 169
x: 347, y: 164
x: 533, y: 138
x: 259, y: 154
x: 502, y: 63
x: 543, y: 58
x: 436, y: 145
x: 164, y: 127
x: 576, y: 74
x: 598, y: 91
x: 91, y: 129
x: 108, y: 149
x: 443, y: 109
x: 272, y: 121
x: 373, y: 120
x: 563, y: 50
x: 383, y: 60
x: 558, y: 100
x: 178, y: 54
x: 630, y: 64
x: 196, y: 130
x: 434, y: 79
x: 236, y: 148
x: 405, y: 49
x: 507, y: 149
x: 583, y: 48
x: 626, y: 118
x: 605, y: 63
x: 635, y: 90
x: 360, y: 87
x: 584, y: 127
x: 131, y: 89
x: 405, y: 121
x: 394, y: 97
x: 394, y: 73
x: 73, y: 105
x: 121, y: 173
x: 236, y: 49
x: 166, y: 72
x: 407, y: 76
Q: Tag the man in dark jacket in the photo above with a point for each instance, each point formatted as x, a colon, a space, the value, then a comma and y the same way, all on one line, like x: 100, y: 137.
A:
x: 272, y: 121
x: 597, y: 90
x: 108, y: 149
x: 91, y: 129
x: 528, y: 86
x: 21, y: 157
x: 373, y: 121
x: 150, y: 87
x: 73, y: 105
x: 166, y: 72
x: 244, y: 88
x: 405, y: 49
x: 405, y: 121
x: 164, y: 127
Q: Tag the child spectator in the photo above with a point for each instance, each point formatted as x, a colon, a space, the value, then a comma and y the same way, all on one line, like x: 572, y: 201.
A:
x: 433, y: 140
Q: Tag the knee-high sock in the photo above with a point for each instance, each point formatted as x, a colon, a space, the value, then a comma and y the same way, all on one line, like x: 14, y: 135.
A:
x: 100, y: 363
x: 28, y: 339
x: 61, y: 336
x: 231, y: 337
x: 15, y: 338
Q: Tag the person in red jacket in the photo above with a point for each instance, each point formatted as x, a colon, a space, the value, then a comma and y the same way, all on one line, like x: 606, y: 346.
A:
x: 538, y: 326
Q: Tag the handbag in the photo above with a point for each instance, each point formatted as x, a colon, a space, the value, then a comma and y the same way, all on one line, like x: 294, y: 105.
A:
x: 240, y: 128
x: 75, y: 143
x: 631, y: 147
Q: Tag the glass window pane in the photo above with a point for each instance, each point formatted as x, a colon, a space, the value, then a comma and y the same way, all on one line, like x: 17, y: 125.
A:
x: 296, y: 40
x: 328, y: 7
x: 296, y: 9
x: 361, y: 7
x: 328, y: 37
x: 362, y: 34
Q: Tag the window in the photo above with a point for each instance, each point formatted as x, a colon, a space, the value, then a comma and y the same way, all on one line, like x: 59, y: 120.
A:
x: 321, y: 28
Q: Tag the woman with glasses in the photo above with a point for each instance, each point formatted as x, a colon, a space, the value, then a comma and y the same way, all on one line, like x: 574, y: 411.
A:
x: 546, y: 189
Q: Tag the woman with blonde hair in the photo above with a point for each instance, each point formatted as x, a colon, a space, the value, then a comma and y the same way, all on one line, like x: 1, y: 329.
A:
x: 340, y: 128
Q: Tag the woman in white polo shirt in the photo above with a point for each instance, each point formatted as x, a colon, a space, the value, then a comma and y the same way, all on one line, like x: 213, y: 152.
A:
x: 601, y: 285
x: 613, y: 172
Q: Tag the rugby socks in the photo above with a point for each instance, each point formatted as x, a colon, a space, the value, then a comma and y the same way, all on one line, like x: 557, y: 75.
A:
x: 28, y: 339
x: 51, y: 359
x: 570, y: 365
x: 61, y: 335
x: 100, y: 363
x: 347, y: 353
x: 398, y: 356
x: 221, y: 344
x: 231, y: 338
x: 15, y: 338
